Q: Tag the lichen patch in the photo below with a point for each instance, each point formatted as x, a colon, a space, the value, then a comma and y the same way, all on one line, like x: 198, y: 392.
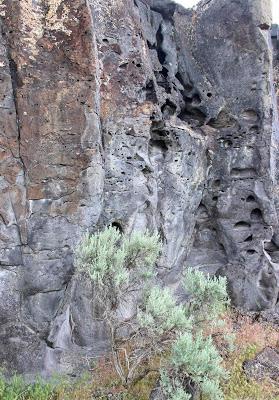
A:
x: 57, y: 16
x: 31, y: 21
x: 2, y: 8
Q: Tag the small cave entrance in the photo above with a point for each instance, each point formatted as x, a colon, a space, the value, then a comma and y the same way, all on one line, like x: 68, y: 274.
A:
x: 249, y: 239
x: 250, y: 252
x: 191, y: 109
x: 150, y: 92
x: 250, y: 199
x: 256, y: 215
x: 160, y: 38
x: 242, y: 225
x: 223, y: 120
x: 118, y: 226
x: 168, y: 109
x: 159, y: 137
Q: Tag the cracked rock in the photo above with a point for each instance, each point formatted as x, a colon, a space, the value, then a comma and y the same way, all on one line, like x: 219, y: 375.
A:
x: 140, y: 114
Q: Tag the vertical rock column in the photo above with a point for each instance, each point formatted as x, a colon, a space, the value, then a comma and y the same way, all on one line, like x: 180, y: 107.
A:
x: 231, y: 45
x: 51, y: 150
x: 12, y: 205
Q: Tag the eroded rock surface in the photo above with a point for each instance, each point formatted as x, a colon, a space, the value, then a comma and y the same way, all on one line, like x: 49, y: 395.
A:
x: 264, y: 366
x: 139, y: 114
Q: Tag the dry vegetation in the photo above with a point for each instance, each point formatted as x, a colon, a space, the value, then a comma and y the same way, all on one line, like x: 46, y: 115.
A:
x: 251, y: 336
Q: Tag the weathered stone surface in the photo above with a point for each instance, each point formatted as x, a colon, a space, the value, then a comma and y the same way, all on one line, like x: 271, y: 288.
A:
x: 140, y: 114
x: 265, y: 365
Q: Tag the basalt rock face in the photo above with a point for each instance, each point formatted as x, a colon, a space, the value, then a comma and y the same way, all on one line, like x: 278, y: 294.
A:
x: 139, y: 114
x: 275, y: 46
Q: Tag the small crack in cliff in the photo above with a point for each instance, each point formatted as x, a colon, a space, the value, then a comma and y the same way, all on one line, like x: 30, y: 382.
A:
x: 14, y: 83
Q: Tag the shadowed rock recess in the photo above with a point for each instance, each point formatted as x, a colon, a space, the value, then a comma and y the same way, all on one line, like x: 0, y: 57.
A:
x: 143, y: 115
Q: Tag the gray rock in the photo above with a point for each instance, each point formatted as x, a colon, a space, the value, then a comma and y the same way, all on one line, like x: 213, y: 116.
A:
x: 143, y: 115
x: 265, y: 365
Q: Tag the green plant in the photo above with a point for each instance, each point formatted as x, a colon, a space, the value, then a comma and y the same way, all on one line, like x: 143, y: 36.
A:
x: 195, y: 360
x: 40, y: 391
x: 173, y: 388
x: 17, y: 389
x: 162, y: 314
x: 122, y: 271
x: 14, y: 389
x: 118, y: 266
x: 208, y: 297
x: 240, y: 387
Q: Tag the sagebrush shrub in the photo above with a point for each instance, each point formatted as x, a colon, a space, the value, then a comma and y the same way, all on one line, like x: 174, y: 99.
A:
x: 122, y: 269
x: 117, y: 263
x: 161, y: 313
x: 201, y: 361
x: 119, y: 266
x: 208, y: 296
x: 194, y: 357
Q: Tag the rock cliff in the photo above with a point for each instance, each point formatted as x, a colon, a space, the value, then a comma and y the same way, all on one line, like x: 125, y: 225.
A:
x: 139, y: 114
